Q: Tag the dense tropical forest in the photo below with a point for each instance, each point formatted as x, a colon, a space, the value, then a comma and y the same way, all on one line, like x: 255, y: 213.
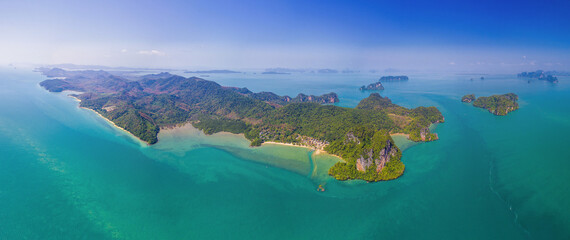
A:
x: 361, y: 135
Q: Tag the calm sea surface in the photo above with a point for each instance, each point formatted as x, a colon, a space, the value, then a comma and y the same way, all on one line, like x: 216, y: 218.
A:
x: 65, y: 173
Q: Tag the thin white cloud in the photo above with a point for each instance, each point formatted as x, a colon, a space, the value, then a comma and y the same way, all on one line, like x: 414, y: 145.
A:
x: 151, y: 52
x: 124, y: 50
x: 451, y: 63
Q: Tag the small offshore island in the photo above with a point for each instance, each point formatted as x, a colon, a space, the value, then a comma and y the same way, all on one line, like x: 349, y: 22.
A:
x: 540, y: 75
x: 468, y: 98
x: 496, y: 104
x: 378, y: 85
x: 372, y: 87
x: 393, y: 78
x: 143, y: 105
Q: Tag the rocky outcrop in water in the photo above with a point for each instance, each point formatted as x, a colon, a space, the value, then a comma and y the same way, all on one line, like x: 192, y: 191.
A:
x: 468, y: 98
x: 372, y: 87
x: 426, y: 135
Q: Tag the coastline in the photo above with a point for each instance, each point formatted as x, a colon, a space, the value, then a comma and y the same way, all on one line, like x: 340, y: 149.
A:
x: 181, y: 126
x: 301, y: 159
x: 143, y: 143
x: 400, y: 134
x: 189, y: 128
x: 316, y: 152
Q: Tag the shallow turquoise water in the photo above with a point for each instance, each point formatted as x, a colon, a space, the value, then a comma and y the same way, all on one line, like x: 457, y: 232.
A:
x: 67, y: 174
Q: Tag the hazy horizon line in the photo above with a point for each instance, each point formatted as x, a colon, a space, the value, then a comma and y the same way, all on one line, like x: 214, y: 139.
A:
x: 334, y: 70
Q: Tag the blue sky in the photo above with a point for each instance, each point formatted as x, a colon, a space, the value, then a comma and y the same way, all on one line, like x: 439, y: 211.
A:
x: 494, y: 36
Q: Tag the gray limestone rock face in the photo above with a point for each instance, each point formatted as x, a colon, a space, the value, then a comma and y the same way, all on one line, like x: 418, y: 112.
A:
x: 366, y: 160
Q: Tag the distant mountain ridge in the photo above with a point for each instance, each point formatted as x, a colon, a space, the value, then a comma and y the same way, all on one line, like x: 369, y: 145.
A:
x: 213, y: 71
x: 283, y: 100
x: 179, y: 98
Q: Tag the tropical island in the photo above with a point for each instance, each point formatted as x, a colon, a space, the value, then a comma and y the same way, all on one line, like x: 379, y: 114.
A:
x: 393, y: 78
x: 372, y: 87
x: 468, y: 98
x: 142, y: 105
x: 540, y: 75
x: 496, y: 104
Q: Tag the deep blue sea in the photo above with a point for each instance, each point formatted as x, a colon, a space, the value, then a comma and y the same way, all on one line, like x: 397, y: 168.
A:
x: 65, y: 173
